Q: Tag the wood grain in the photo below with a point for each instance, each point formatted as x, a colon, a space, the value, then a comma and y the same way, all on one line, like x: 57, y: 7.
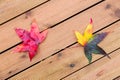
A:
x: 73, y: 58
x: 12, y: 8
x: 46, y: 15
x: 63, y: 34
x: 103, y: 69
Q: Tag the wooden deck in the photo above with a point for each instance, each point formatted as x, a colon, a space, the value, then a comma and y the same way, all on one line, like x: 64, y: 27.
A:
x: 59, y: 57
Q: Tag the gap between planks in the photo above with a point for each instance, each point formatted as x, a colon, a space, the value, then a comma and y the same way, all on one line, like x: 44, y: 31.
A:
x: 117, y: 78
x: 6, y: 45
x: 104, y: 69
x: 49, y: 69
x: 12, y: 9
x: 111, y: 18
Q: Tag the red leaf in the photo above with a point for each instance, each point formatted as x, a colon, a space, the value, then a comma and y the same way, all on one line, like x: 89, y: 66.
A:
x: 31, y: 39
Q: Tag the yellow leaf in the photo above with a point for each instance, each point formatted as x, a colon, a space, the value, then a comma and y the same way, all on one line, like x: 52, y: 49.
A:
x: 88, y: 31
x: 81, y: 39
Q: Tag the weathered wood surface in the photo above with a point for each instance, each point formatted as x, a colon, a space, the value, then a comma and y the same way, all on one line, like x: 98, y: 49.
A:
x: 72, y: 59
x: 46, y: 16
x: 56, y: 14
x: 50, y: 50
x: 12, y: 8
x: 104, y: 69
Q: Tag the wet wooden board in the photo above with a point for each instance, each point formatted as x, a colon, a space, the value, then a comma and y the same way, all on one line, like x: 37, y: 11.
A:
x: 12, y: 8
x: 45, y: 15
x: 71, y: 59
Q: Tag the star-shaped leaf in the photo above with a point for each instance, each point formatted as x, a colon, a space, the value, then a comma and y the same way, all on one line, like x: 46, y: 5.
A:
x: 90, y: 41
x: 30, y: 39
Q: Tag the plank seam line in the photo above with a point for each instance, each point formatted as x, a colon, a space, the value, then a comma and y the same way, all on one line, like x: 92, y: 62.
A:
x: 116, y: 77
x: 78, y: 12
x: 56, y: 24
x: 24, y: 12
x: 58, y: 51
x: 88, y: 64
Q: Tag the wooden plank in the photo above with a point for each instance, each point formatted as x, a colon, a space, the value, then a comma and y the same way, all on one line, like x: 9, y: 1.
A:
x: 46, y: 16
x: 21, y: 61
x: 117, y: 78
x: 73, y: 58
x: 12, y: 8
x: 103, y: 69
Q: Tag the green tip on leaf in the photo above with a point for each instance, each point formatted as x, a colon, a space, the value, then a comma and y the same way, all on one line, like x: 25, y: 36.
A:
x: 90, y: 42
